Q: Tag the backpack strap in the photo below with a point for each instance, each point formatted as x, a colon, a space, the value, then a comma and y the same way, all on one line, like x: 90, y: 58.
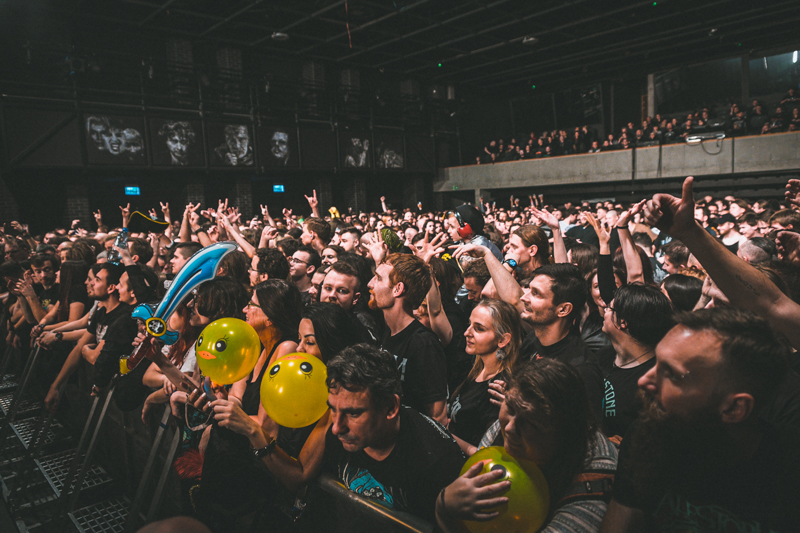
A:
x: 589, y: 485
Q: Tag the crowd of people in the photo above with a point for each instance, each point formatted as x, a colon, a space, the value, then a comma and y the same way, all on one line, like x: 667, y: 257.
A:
x: 642, y: 356
x: 734, y: 120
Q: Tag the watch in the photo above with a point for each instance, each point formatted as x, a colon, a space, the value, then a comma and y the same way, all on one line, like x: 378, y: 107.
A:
x: 266, y: 450
x: 510, y: 262
x: 59, y: 336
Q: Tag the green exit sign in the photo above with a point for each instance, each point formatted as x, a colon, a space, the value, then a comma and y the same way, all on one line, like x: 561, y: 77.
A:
x: 455, y: 187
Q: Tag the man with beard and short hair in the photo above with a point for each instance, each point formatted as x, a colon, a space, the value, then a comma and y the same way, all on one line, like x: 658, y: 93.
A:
x: 549, y: 306
x: 700, y: 459
x: 400, y: 285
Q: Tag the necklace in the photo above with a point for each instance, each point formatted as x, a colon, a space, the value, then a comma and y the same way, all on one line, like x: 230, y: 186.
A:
x: 626, y: 365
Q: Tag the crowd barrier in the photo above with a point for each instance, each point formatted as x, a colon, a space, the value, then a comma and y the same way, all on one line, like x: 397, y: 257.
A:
x: 96, y: 469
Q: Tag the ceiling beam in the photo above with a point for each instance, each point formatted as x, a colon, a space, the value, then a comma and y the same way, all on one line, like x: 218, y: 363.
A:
x: 245, y: 9
x: 668, y: 34
x: 313, y: 15
x: 421, y: 30
x: 561, y: 5
x: 372, y: 22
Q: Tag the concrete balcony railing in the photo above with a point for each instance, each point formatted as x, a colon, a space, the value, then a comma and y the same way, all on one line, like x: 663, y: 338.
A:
x: 742, y: 155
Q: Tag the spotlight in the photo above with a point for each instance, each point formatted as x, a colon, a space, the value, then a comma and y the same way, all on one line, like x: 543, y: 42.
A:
x: 713, y: 32
x: 530, y: 40
x: 280, y: 36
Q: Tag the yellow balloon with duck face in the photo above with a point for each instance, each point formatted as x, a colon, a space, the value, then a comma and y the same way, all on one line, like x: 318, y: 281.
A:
x: 227, y: 350
x: 293, y: 391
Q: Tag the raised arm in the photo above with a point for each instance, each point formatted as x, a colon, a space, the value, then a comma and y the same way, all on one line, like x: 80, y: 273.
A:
x: 233, y: 231
x: 507, y: 287
x: 559, y: 248
x: 745, y: 286
x: 439, y: 322
x: 313, y: 202
x: 633, y: 261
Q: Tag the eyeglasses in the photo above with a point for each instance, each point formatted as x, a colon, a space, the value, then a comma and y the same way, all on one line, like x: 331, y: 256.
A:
x: 296, y: 260
x: 253, y: 304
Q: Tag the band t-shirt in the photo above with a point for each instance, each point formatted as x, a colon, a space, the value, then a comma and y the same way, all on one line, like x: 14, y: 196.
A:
x: 421, y: 361
x: 758, y: 494
x: 620, y: 405
x: 471, y: 412
x: 47, y: 297
x: 424, y: 460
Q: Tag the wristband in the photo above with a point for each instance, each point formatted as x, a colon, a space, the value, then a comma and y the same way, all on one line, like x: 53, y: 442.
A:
x: 59, y: 336
x: 266, y: 450
x: 199, y: 230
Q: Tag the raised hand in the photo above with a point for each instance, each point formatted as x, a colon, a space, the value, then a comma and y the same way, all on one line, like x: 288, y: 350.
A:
x: 153, y: 214
x: 675, y: 216
x: 788, y: 244
x: 601, y: 228
x: 626, y: 216
x: 98, y: 217
x: 431, y: 247
x: 312, y: 200
x: 264, y: 211
x: 472, y: 250
x: 546, y: 217
x: 165, y: 210
x: 793, y: 192
x: 287, y: 213
x: 126, y: 215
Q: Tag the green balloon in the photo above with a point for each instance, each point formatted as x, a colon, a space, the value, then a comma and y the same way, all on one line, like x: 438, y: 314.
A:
x: 528, y: 497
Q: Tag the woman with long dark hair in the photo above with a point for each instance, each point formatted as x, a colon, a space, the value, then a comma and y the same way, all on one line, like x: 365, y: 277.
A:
x: 234, y: 488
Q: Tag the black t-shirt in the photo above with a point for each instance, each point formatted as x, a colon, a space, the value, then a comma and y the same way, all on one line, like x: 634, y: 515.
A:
x: 424, y: 460
x: 471, y: 412
x: 585, y: 234
x: 118, y: 329
x: 47, y: 297
x: 459, y: 362
x: 572, y: 351
x: 620, y: 406
x: 759, y: 494
x: 421, y: 361
x: 783, y: 409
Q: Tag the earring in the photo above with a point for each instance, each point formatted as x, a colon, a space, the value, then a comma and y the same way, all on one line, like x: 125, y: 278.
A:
x: 500, y: 354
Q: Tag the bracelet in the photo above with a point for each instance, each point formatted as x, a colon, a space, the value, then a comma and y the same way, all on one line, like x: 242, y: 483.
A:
x: 199, y: 230
x: 266, y: 450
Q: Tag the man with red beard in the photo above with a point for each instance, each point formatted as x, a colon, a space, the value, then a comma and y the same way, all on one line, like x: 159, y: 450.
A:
x: 700, y: 458
x: 400, y: 285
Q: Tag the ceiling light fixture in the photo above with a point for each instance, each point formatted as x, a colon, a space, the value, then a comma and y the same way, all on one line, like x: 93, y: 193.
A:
x: 530, y: 40
x: 280, y: 36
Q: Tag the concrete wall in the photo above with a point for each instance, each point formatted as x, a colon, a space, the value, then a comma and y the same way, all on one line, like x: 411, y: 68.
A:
x: 777, y: 152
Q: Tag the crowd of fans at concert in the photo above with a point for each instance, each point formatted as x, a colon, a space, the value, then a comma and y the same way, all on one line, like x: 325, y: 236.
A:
x: 734, y: 120
x: 642, y: 356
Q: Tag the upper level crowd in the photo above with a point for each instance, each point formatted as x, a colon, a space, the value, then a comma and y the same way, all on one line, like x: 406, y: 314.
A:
x: 642, y: 356
x: 734, y: 120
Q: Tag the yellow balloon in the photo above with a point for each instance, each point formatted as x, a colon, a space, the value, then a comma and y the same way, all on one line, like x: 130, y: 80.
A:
x: 227, y: 350
x: 528, y: 497
x: 293, y: 391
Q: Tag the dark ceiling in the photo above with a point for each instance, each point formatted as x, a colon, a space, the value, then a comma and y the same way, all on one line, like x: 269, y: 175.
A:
x: 475, y: 44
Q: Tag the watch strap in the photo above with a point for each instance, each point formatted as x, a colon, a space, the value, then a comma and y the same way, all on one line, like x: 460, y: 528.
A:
x: 266, y: 450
